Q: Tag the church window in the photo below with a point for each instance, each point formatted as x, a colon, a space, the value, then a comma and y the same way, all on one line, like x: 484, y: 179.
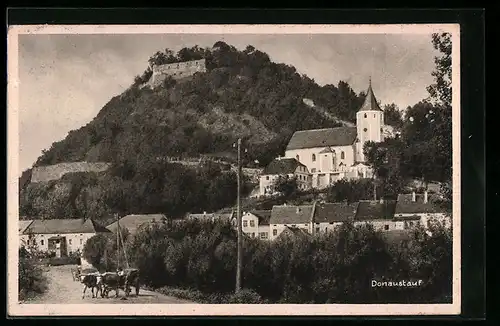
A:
x: 365, y: 129
x: 365, y: 115
x: 342, y: 155
x: 381, y: 130
x: 314, y: 157
x: 267, y: 177
x: 374, y: 115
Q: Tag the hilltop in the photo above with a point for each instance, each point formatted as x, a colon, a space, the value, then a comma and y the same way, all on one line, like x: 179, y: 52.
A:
x: 238, y: 94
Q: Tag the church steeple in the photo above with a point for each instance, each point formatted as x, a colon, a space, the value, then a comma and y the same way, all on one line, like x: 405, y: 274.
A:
x: 370, y: 103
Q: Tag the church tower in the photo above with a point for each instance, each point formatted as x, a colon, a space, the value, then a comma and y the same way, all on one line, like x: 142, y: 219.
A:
x: 369, y: 123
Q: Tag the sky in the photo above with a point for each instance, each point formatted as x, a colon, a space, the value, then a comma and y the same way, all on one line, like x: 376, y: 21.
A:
x: 66, y: 79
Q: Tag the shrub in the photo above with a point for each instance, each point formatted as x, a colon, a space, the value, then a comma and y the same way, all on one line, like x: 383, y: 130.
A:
x: 246, y: 296
x: 32, y: 281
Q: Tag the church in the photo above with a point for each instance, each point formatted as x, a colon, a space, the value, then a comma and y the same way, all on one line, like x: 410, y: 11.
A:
x: 335, y: 153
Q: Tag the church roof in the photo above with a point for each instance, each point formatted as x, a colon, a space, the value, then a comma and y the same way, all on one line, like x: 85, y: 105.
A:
x: 370, y: 103
x: 340, y: 136
x: 282, y: 166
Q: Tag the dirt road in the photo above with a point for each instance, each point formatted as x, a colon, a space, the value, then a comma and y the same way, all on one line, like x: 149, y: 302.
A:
x: 62, y: 290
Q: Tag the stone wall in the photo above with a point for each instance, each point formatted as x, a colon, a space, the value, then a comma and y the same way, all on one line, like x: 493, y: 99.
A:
x: 55, y: 172
x: 176, y: 70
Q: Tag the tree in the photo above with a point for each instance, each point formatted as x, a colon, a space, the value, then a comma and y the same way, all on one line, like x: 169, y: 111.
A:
x: 94, y: 250
x: 287, y: 186
x: 392, y: 116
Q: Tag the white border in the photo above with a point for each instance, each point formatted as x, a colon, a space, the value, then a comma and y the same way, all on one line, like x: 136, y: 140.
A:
x: 16, y: 309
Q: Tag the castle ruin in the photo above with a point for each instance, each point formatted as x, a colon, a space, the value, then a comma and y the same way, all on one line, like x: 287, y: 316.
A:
x: 176, y: 70
x: 56, y: 171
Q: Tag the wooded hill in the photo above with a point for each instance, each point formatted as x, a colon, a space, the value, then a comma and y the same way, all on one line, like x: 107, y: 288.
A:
x: 242, y: 94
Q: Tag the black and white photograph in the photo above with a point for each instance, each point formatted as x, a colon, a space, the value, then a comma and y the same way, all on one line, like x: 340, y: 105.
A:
x: 234, y: 170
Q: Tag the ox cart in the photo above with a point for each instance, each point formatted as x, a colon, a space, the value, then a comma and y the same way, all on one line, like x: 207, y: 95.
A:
x: 123, y: 278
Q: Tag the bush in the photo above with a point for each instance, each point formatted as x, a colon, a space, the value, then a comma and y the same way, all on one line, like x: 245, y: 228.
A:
x: 246, y: 296
x: 32, y: 281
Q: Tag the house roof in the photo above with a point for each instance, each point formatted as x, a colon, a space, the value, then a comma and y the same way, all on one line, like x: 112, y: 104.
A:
x: 375, y: 210
x: 294, y: 231
x: 23, y: 225
x: 264, y: 216
x: 282, y: 166
x: 134, y: 221
x: 340, y: 136
x: 291, y: 214
x: 370, y: 103
x: 405, y: 205
x: 334, y: 212
x: 65, y: 226
x: 406, y: 218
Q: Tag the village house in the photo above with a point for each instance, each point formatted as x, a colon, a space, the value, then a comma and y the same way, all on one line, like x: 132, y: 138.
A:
x: 329, y: 216
x: 284, y: 167
x: 290, y: 216
x: 62, y: 236
x: 293, y: 232
x: 421, y: 207
x: 379, y: 213
x: 133, y: 222
x: 256, y: 224
x: 24, y: 237
x: 219, y: 216
x: 335, y: 153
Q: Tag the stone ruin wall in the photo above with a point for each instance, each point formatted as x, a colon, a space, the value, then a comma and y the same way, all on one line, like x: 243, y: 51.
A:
x: 177, y: 70
x: 55, y: 172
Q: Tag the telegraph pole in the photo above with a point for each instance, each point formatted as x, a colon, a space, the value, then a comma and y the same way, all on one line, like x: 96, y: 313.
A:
x: 238, y: 216
x: 117, y: 241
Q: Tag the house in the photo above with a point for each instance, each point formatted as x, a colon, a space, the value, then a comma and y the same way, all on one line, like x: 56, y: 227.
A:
x: 256, y: 223
x: 293, y: 232
x: 421, y: 207
x: 134, y: 221
x: 62, y: 236
x: 228, y: 216
x: 380, y: 214
x: 335, y: 153
x: 294, y: 216
x: 328, y: 216
x: 284, y: 167
x: 23, y: 226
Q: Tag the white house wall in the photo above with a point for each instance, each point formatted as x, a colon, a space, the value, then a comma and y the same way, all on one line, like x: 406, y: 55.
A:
x: 379, y: 225
x: 305, y: 156
x: 74, y: 241
x: 325, y: 227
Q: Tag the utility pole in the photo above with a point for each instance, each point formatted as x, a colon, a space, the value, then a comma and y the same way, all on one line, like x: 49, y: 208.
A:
x: 117, y: 241
x: 238, y: 216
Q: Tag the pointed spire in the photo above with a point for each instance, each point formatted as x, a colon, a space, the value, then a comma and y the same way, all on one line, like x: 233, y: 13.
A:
x: 370, y: 103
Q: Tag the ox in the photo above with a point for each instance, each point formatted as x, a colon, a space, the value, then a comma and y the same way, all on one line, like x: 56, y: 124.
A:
x: 130, y: 277
x: 90, y: 281
x: 123, y: 279
x: 109, y: 281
